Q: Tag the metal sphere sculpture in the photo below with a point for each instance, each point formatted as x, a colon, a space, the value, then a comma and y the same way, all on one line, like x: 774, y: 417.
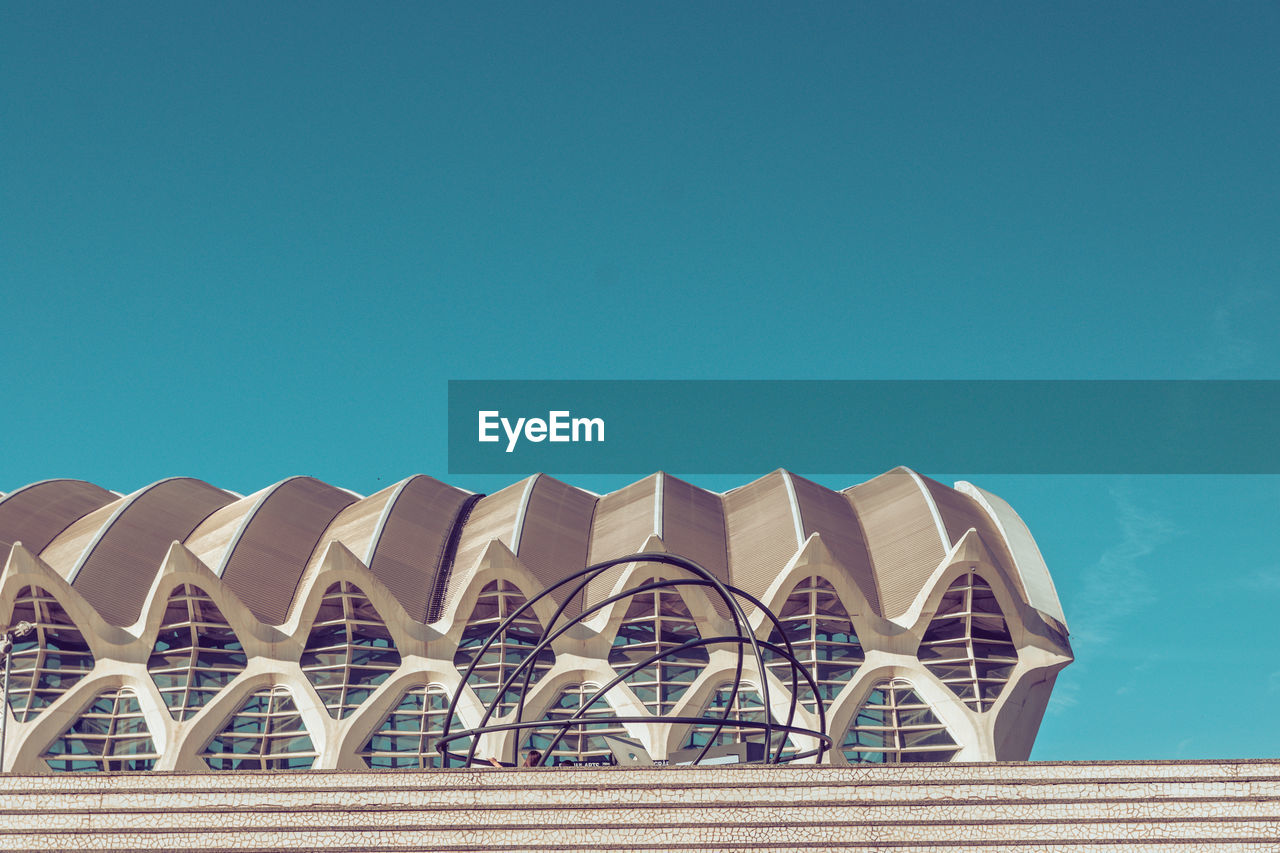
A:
x: 741, y: 639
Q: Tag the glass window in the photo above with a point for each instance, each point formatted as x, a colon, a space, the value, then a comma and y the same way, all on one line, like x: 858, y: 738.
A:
x: 267, y: 733
x: 349, y: 650
x: 895, y: 725
x: 658, y: 621
x: 968, y: 643
x: 47, y: 661
x: 580, y: 742
x: 819, y: 628
x: 497, y: 601
x: 196, y: 653
x: 406, y: 737
x: 111, y: 734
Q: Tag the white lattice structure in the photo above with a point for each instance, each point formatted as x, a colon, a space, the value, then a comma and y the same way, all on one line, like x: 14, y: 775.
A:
x: 184, y: 627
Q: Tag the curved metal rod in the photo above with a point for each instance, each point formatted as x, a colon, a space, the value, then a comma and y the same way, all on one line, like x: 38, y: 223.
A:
x: 585, y: 706
x: 588, y: 574
x: 735, y: 609
x: 528, y: 673
x: 528, y: 662
x: 789, y: 655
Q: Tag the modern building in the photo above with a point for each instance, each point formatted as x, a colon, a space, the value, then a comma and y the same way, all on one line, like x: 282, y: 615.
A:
x: 185, y: 627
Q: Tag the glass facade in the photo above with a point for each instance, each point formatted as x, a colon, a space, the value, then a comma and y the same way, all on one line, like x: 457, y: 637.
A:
x: 658, y: 621
x: 267, y: 733
x: 47, y: 661
x: 111, y: 734
x: 580, y: 742
x: 967, y: 645
x: 405, y: 738
x: 822, y: 637
x: 349, y: 651
x: 894, y: 725
x: 196, y: 653
x: 747, y: 705
x: 496, y: 602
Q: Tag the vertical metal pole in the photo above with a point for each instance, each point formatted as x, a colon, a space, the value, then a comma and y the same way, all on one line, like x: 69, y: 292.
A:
x: 7, y: 646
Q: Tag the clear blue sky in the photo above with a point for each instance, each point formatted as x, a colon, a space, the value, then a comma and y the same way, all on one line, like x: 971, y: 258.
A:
x: 242, y: 241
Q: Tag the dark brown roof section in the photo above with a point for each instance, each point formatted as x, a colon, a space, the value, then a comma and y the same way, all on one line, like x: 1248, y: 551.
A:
x: 901, y: 535
x: 554, y: 533
x: 36, y: 514
x: 273, y: 547
x: 831, y: 516
x: 115, y: 572
x: 411, y: 545
x: 762, y: 532
x: 960, y: 513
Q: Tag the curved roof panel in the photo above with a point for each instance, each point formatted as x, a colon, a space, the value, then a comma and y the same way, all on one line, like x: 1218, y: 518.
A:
x: 693, y: 526
x: 357, y: 526
x: 37, y: 513
x: 118, y: 563
x: 554, y: 532
x: 624, y: 520
x: 493, y: 517
x: 827, y: 513
x: 763, y: 529
x: 959, y: 513
x: 275, y: 541
x: 1027, y: 561
x: 64, y: 553
x: 409, y: 546
x: 904, y: 535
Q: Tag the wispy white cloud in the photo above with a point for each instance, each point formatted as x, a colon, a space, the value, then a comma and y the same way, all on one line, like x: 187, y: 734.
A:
x: 1065, y: 696
x: 1262, y: 580
x: 1232, y: 343
x: 1118, y: 584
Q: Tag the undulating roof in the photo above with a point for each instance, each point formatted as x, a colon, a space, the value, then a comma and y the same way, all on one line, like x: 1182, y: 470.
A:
x: 421, y: 538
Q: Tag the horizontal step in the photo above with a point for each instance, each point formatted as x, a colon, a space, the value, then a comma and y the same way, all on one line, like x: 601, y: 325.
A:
x: 702, y: 777
x: 187, y: 797
x: 621, y: 814
x: 1134, y: 845
x: 636, y: 834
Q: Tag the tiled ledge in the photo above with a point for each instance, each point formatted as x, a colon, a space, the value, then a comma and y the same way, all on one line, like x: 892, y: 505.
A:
x: 1200, y: 806
x: 570, y: 796
x: 701, y: 777
x: 531, y: 817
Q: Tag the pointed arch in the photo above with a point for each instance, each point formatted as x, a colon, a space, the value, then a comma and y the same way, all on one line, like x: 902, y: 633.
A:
x: 580, y: 742
x: 822, y: 636
x: 349, y: 650
x: 894, y: 725
x: 406, y: 736
x: 967, y: 644
x: 266, y: 733
x: 748, y: 706
x: 196, y: 652
x: 496, y: 601
x: 111, y: 734
x: 658, y: 621
x: 47, y: 661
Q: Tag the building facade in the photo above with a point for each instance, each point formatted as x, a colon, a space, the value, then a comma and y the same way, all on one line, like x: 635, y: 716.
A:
x: 184, y: 627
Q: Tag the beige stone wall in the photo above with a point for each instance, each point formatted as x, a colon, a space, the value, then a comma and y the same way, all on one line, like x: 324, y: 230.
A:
x: 1184, y: 806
